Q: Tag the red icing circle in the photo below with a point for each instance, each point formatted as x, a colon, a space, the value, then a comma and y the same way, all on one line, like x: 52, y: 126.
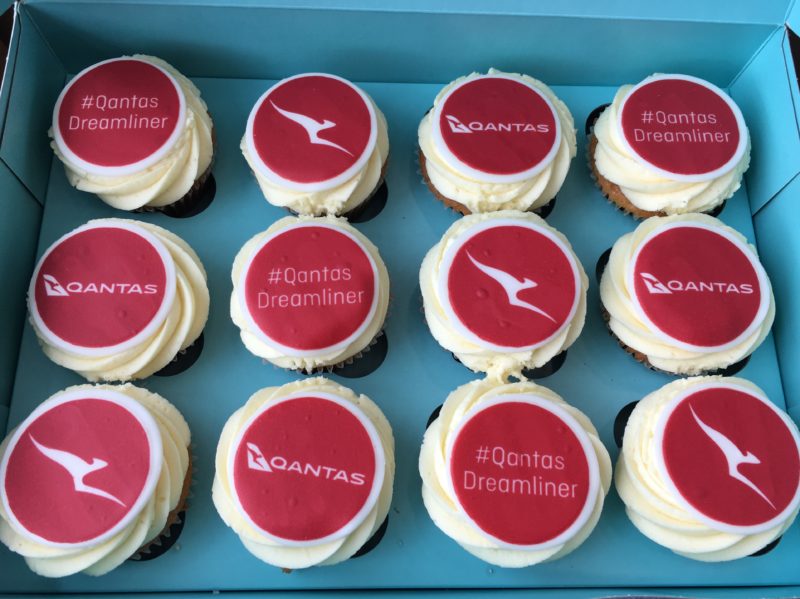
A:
x: 39, y: 486
x: 312, y: 128
x: 333, y: 290
x: 100, y: 287
x: 542, y: 487
x: 743, y: 426
x: 304, y: 469
x: 489, y: 272
x: 697, y: 286
x: 680, y: 126
x: 498, y: 126
x: 118, y: 113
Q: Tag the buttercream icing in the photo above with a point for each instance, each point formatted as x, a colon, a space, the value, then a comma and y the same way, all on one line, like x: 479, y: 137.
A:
x: 272, y: 550
x: 484, y: 195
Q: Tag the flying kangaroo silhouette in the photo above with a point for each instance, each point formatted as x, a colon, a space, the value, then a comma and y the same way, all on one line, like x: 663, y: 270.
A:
x: 733, y: 455
x: 511, y: 285
x: 78, y: 469
x: 312, y: 127
x: 52, y: 287
x: 653, y: 284
x: 256, y: 459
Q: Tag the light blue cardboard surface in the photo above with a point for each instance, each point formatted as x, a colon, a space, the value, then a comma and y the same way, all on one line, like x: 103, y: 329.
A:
x: 430, y: 46
x: 764, y: 93
x: 37, y: 79
x: 10, y: 62
x: 598, y: 377
x: 777, y: 226
x: 19, y: 231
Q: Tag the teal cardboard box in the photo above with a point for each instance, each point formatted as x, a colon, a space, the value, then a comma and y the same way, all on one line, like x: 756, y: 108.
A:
x: 401, y: 53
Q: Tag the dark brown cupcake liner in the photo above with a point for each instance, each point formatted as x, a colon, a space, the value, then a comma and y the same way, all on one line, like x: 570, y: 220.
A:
x: 185, y: 358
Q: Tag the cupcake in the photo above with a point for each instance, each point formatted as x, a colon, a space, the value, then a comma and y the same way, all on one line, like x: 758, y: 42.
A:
x: 710, y: 468
x: 317, y: 145
x: 93, y: 476
x: 671, y: 144
x: 513, y: 473
x: 304, y: 473
x: 500, y: 141
x: 134, y: 131
x: 309, y: 293
x: 686, y: 294
x: 503, y: 291
x: 116, y: 300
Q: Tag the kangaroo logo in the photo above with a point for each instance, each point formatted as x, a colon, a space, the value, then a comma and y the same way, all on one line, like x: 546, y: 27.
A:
x: 733, y: 456
x: 456, y: 126
x: 77, y: 468
x: 256, y: 459
x: 512, y: 286
x: 53, y: 288
x: 654, y: 285
x: 312, y: 127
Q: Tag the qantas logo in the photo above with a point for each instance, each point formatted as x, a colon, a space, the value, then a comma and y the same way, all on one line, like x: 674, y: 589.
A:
x: 733, y: 455
x: 656, y: 287
x: 511, y: 285
x: 53, y: 288
x: 77, y: 468
x: 456, y: 126
x: 257, y: 461
x: 312, y: 127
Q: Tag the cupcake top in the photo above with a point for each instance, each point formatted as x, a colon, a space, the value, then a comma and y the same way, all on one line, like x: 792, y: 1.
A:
x: 134, y: 131
x: 91, y: 476
x: 497, y: 141
x: 710, y: 468
x: 304, y: 473
x: 513, y: 473
x: 503, y: 291
x: 117, y: 299
x: 317, y: 144
x: 673, y: 144
x: 688, y: 292
x: 309, y: 292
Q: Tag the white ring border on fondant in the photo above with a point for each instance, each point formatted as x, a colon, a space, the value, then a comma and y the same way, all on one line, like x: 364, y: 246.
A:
x: 763, y: 283
x: 696, y: 178
x: 149, y: 329
x: 658, y: 445
x: 377, y: 482
x: 135, y: 409
x: 315, y: 186
x: 127, y: 169
x: 479, y: 175
x: 241, y: 295
x: 447, y: 262
x: 585, y: 443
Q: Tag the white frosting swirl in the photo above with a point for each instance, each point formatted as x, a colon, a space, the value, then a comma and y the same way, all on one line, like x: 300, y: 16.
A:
x: 183, y: 324
x: 648, y: 190
x: 169, y: 179
x: 638, y: 335
x: 337, y: 200
x: 274, y: 354
x: 98, y: 559
x: 472, y: 355
x: 483, y: 196
x: 438, y: 496
x: 653, y: 508
x: 271, y: 551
